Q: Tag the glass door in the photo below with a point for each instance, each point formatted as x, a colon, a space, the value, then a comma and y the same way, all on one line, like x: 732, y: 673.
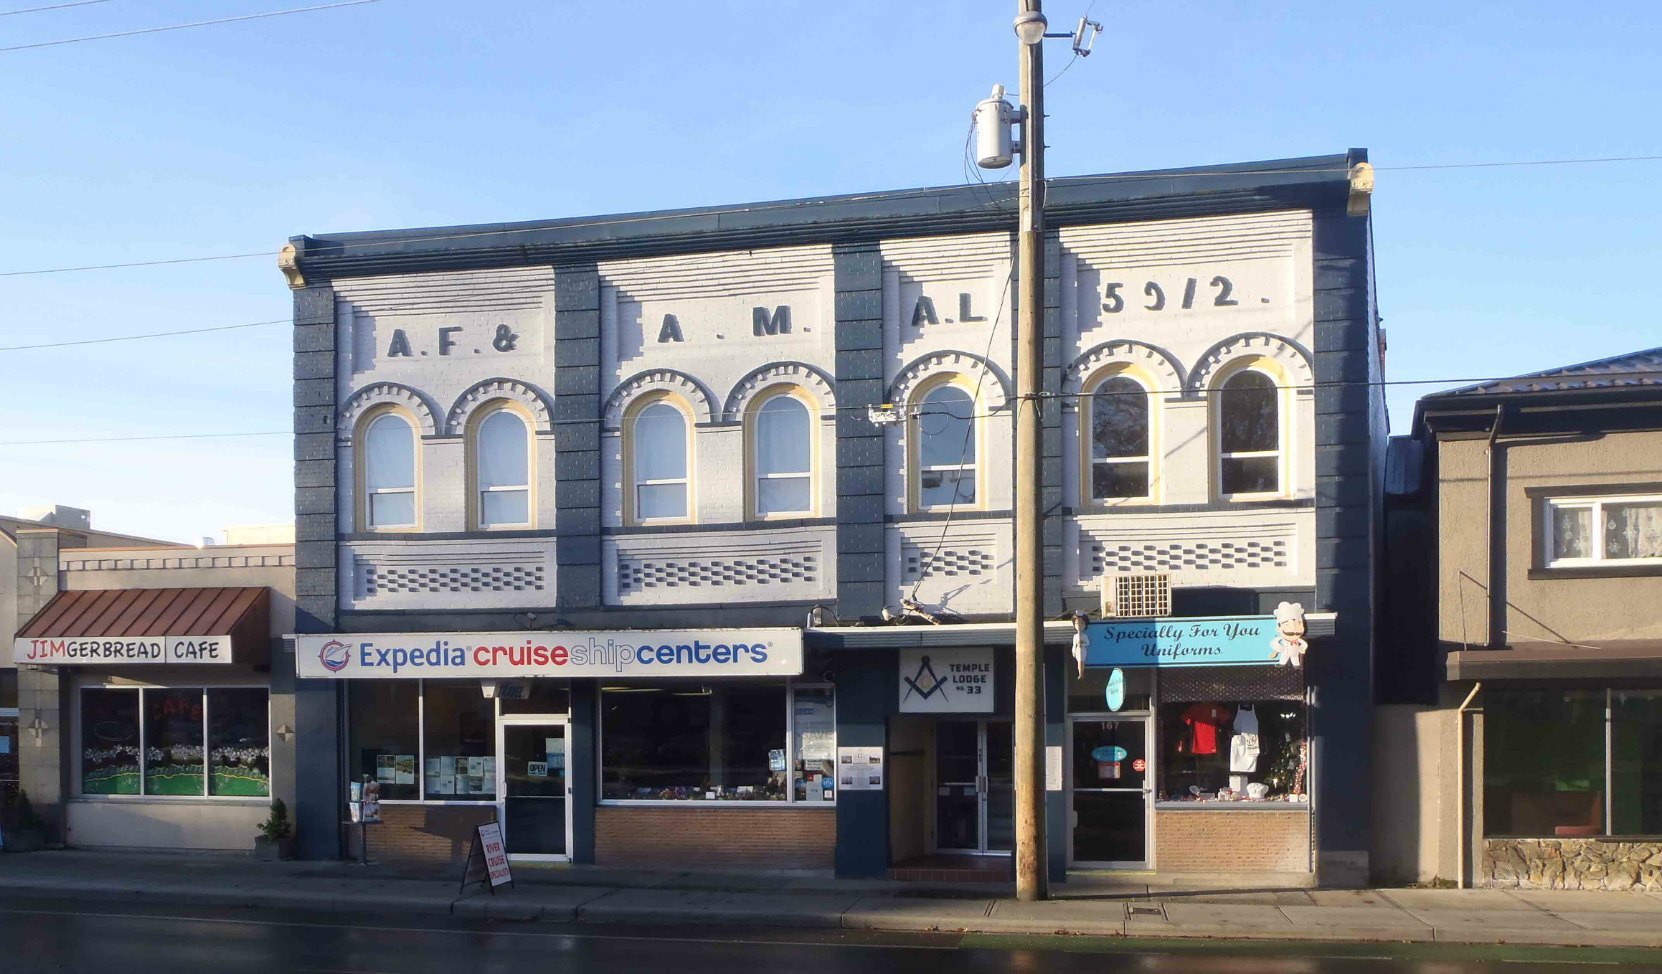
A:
x: 975, y: 786
x: 1109, y: 791
x: 536, y: 795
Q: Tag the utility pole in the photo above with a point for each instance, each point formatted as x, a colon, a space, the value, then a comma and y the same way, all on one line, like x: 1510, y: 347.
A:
x: 1032, y: 869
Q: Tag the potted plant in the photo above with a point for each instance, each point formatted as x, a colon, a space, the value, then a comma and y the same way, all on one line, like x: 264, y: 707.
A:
x: 276, y: 838
x: 21, y: 829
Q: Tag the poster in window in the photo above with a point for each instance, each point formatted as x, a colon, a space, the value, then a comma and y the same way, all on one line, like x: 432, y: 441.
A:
x: 404, y: 769
x: 386, y: 768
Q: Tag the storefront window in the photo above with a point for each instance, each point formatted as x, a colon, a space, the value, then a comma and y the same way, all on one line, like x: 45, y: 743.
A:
x: 173, y: 742
x: 1636, y: 762
x: 110, y: 742
x: 239, y: 742
x: 1543, y: 762
x: 1232, y: 750
x: 716, y: 742
x: 385, y: 731
x: 460, y: 727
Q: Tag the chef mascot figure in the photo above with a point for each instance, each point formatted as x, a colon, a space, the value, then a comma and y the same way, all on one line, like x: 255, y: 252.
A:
x: 1289, y: 646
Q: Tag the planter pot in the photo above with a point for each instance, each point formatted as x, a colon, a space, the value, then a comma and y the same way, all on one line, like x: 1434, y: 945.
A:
x: 24, y: 841
x: 271, y: 850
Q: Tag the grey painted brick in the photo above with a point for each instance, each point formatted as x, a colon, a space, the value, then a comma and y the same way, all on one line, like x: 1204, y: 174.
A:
x: 577, y: 493
x: 314, y: 613
x: 314, y: 338
x: 579, y: 587
x: 577, y: 520
x: 314, y: 446
x: 314, y: 305
x: 576, y: 325
x: 1341, y: 272
x: 315, y: 392
x: 859, y: 305
x: 314, y: 500
x: 314, y: 473
x: 315, y: 581
x: 1337, y: 237
x: 314, y: 527
x: 582, y: 384
x: 1344, y: 492
x: 576, y: 288
x: 1341, y: 366
x: 851, y: 423
x: 1050, y: 470
x: 576, y: 352
x: 569, y: 407
x: 1342, y: 305
x: 577, y: 549
x: 314, y: 365
x: 1346, y: 459
x: 578, y: 436
x: 1349, y: 521
x: 860, y: 335
x: 314, y: 419
x: 859, y: 480
x: 860, y: 364
x: 861, y: 567
x: 1353, y: 427
x: 860, y: 451
x: 860, y: 538
x: 1052, y: 289
x: 1352, y: 553
x: 860, y: 509
x: 860, y: 392
x: 858, y: 267
x: 1345, y: 334
x: 1344, y: 398
x: 859, y: 599
x: 314, y: 554
x: 578, y: 464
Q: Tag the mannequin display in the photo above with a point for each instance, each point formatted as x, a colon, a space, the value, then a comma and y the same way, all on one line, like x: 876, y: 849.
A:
x: 1243, y: 747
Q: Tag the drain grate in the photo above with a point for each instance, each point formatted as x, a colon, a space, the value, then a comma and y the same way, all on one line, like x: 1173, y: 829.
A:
x: 1145, y: 911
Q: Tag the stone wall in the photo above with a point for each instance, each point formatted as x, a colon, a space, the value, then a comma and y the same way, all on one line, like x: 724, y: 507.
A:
x: 1572, y: 864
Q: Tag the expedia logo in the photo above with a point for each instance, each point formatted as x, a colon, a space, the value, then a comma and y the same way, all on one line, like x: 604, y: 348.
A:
x: 334, y: 655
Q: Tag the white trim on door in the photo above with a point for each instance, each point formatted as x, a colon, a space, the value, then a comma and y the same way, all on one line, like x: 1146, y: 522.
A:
x: 503, y: 721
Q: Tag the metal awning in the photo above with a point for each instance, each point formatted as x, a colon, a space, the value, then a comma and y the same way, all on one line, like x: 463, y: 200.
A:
x: 1613, y: 660
x: 148, y: 626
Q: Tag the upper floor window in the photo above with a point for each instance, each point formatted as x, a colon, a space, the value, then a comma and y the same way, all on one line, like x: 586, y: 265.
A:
x: 660, y: 462
x: 1592, y: 531
x: 387, y: 464
x: 1120, y: 461
x: 944, y: 447
x: 1248, y: 417
x: 781, y: 454
x: 502, y: 469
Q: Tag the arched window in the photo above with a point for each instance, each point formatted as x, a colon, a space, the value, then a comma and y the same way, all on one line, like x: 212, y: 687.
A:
x: 387, y: 461
x: 782, y: 451
x: 1248, y: 414
x: 502, y: 469
x: 944, y: 447
x: 1120, y: 461
x: 657, y: 438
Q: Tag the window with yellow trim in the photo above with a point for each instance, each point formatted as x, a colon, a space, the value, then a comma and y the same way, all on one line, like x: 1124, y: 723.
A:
x: 945, y: 437
x: 1249, y: 424
x: 387, y: 464
x: 782, y: 456
x: 502, y: 469
x: 660, y: 462
x: 1119, y: 441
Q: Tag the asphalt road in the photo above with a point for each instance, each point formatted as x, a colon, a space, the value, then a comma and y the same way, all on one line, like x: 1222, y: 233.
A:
x: 63, y: 936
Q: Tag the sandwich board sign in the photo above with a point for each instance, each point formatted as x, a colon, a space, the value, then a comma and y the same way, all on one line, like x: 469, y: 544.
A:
x: 487, y: 860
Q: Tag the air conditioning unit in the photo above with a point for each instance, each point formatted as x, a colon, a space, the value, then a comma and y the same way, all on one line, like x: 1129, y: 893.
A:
x: 1141, y: 596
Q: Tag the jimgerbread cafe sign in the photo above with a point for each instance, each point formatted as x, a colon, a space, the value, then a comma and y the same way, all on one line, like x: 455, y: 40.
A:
x: 75, y: 650
x: 565, y: 653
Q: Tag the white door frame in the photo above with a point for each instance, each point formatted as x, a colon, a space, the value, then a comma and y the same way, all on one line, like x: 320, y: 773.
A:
x: 1148, y: 790
x: 563, y: 721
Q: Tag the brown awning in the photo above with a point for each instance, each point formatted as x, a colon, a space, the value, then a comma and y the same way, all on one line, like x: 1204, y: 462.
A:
x: 1614, y: 660
x: 149, y: 625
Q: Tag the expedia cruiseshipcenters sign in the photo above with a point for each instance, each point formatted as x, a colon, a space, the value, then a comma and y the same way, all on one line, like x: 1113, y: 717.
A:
x: 632, y: 654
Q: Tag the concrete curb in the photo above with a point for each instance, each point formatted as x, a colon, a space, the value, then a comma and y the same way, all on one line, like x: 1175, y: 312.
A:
x: 617, y: 906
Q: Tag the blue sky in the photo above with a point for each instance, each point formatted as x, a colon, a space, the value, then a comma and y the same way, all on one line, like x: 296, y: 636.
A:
x: 229, y: 139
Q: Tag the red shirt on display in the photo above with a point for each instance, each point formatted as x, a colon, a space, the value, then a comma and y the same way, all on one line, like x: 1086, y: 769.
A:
x: 1205, y: 720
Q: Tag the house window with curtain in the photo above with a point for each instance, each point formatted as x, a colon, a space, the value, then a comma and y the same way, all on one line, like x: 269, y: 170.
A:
x: 782, y: 450
x: 944, y: 448
x: 502, y: 470
x: 1120, y: 463
x: 388, y: 460
x: 660, y: 488
x: 1595, y: 532
x: 1248, y: 411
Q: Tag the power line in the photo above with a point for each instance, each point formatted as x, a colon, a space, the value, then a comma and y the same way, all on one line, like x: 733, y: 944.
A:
x: 55, y: 6
x: 858, y: 198
x: 134, y: 338
x: 199, y: 23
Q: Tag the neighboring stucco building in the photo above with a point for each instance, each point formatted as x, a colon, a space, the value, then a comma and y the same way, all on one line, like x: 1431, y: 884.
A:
x: 1533, y: 755
x: 599, y: 522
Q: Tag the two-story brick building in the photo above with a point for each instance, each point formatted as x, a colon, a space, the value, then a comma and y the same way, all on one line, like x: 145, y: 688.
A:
x: 1524, y: 743
x: 634, y: 532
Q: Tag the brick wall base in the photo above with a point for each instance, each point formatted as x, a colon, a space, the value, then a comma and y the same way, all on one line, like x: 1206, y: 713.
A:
x: 415, y: 834
x: 1221, y: 841
x: 715, y: 836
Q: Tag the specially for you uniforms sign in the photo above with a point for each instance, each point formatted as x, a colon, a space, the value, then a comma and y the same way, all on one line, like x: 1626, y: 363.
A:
x: 629, y: 654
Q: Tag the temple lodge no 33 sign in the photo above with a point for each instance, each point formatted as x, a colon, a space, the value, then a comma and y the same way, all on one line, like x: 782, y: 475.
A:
x: 946, y: 681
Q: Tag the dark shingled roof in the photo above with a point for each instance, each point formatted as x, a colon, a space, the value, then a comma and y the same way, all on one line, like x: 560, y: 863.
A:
x: 1619, y: 371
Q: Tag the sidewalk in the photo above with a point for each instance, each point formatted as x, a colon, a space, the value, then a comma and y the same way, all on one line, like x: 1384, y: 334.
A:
x: 579, y: 894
